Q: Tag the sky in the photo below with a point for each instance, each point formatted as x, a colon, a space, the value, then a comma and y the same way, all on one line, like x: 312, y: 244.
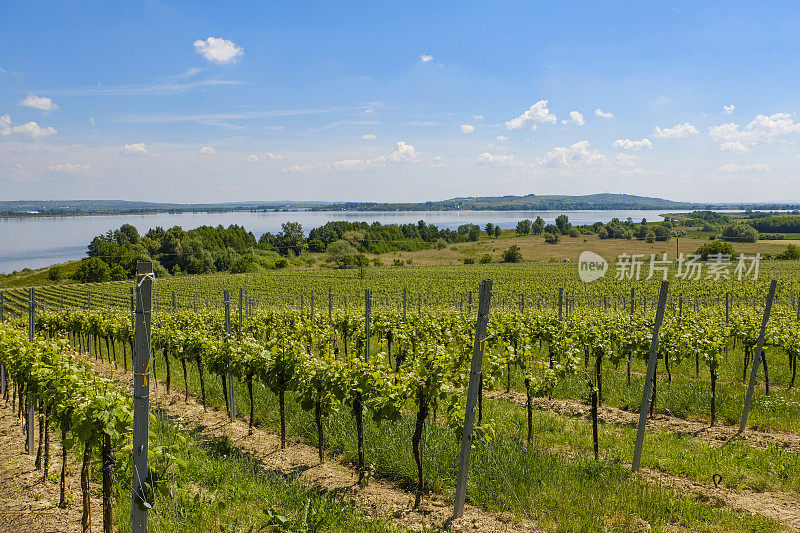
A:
x: 374, y: 101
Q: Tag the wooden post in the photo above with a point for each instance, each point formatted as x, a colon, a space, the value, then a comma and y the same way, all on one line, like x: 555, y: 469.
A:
x: 141, y: 395
x: 561, y: 304
x: 404, y: 304
x: 312, y: 304
x: 330, y: 305
x: 476, y: 371
x: 28, y: 396
x: 367, y: 324
x: 522, y: 303
x: 757, y: 356
x: 633, y: 299
x: 648, y: 380
x: 174, y: 303
x: 2, y: 367
x: 229, y: 377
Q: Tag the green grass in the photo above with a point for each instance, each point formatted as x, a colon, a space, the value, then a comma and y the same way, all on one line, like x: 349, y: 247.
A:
x: 223, y: 490
x: 562, y: 491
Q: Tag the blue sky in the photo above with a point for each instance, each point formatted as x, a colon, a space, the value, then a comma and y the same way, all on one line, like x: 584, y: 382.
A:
x: 235, y: 101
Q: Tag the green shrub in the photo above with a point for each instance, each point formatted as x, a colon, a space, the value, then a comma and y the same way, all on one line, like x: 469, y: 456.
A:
x: 716, y: 247
x: 485, y: 258
x: 792, y: 252
x: 469, y: 260
x: 513, y: 254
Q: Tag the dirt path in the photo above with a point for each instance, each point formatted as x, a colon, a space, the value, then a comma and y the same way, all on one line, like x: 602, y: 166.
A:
x: 379, y: 498
x: 28, y: 504
x: 716, y: 435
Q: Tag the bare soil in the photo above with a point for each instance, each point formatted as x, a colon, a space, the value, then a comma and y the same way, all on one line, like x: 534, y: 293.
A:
x: 27, y: 503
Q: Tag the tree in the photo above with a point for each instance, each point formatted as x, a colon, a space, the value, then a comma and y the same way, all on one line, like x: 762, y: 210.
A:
x: 650, y: 236
x: 342, y: 253
x: 574, y: 232
x: 512, y: 255
x: 524, y: 227
x: 92, y: 270
x: 740, y: 233
x: 497, y: 231
x: 316, y: 246
x: 489, y: 227
x: 538, y: 226
x: 562, y: 221
x: 792, y: 252
x: 291, y: 238
x: 552, y: 238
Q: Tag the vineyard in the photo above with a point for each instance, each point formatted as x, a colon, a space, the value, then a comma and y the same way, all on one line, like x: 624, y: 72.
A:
x: 372, y: 378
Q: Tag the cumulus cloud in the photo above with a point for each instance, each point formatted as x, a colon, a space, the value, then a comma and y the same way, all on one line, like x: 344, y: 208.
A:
x: 274, y: 157
x: 733, y: 168
x: 678, y: 131
x: 762, y: 130
x: 426, y: 58
x: 404, y: 153
x: 71, y: 168
x: 478, y: 117
x: 38, y: 102
x: 497, y: 160
x: 530, y: 119
x: 368, y: 137
x: 576, y: 118
x: 729, y: 109
x: 577, y: 156
x: 218, y: 50
x: 626, y: 160
x: 501, y: 138
x: 603, y: 114
x: 269, y: 155
x: 205, y: 150
x: 134, y: 149
x: 629, y: 144
x: 467, y: 128
x: 30, y: 129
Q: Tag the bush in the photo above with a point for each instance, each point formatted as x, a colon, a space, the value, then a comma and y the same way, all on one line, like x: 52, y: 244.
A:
x: 342, y: 253
x: 792, y: 252
x: 117, y: 273
x: 55, y: 274
x: 739, y: 233
x: 513, y: 254
x: 377, y: 262
x: 282, y: 263
x: 92, y: 270
x: 716, y: 247
x: 650, y: 236
x: 771, y: 236
x: 469, y: 260
x: 441, y: 244
x: 574, y: 232
x: 552, y: 238
x: 398, y: 262
x: 485, y: 258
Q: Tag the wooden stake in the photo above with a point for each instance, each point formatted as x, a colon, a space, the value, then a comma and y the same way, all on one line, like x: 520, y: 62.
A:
x: 757, y: 356
x: 141, y: 395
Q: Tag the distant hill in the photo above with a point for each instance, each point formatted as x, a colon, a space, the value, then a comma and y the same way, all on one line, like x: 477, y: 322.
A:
x: 530, y: 202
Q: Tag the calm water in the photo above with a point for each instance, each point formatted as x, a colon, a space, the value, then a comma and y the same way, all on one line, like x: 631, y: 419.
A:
x: 39, y: 242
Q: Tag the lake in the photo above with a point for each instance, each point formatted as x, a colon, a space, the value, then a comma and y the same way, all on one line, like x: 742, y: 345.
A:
x: 37, y: 242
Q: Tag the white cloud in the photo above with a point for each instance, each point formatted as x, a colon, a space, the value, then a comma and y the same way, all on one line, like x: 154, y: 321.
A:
x: 678, y: 131
x: 274, y: 157
x: 91, y: 121
x: 603, y: 114
x: 729, y: 109
x: 735, y: 147
x: 252, y: 158
x: 426, y: 58
x: 530, y: 119
x: 30, y: 129
x: 218, y: 50
x: 733, y: 168
x: 404, y: 153
x: 297, y: 169
x: 497, y: 160
x: 478, y: 117
x: 38, y: 102
x: 576, y: 118
x: 467, y: 128
x: 501, y: 138
x: 134, y: 149
x: 579, y: 155
x: 626, y: 160
x: 205, y: 150
x: 368, y: 137
x: 762, y: 130
x: 629, y: 144
x: 438, y: 162
x: 71, y: 168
